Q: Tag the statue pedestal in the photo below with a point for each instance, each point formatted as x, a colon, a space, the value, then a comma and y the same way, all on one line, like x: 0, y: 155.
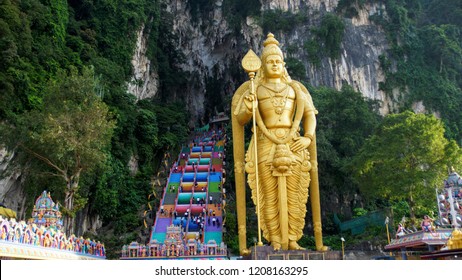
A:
x: 267, y: 253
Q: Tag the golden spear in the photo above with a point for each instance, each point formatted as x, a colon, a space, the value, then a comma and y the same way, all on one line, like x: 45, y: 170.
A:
x: 251, y: 63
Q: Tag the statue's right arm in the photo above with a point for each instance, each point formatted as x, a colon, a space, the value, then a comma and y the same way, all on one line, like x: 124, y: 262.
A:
x: 243, y: 107
x: 245, y: 113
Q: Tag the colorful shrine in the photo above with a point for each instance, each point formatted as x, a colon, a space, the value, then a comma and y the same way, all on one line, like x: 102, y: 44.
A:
x: 46, y: 213
x: 450, y: 201
x: 442, y: 238
x: 42, y: 236
x: 189, y: 222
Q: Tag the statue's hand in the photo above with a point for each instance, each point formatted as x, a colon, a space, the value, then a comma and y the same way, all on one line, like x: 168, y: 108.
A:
x: 300, y: 143
x: 248, y: 101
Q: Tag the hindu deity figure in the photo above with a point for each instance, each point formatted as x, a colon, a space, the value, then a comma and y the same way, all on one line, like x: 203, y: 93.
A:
x: 285, y: 152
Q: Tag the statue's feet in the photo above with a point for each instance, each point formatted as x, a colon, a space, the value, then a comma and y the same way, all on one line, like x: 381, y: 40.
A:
x: 245, y: 252
x: 322, y: 249
x: 293, y: 245
x: 276, y: 246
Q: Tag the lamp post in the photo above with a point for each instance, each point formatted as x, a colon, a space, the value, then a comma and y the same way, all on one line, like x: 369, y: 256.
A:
x: 387, y: 220
x: 255, y: 246
x: 343, y: 248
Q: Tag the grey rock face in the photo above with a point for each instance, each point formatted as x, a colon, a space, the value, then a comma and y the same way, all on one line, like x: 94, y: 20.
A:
x: 213, y: 50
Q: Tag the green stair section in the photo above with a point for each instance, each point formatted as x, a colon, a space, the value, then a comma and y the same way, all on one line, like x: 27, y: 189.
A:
x: 213, y: 187
x: 184, y: 198
x: 213, y: 235
x: 218, y: 148
x: 204, y: 161
x: 175, y: 185
x: 160, y: 237
x: 193, y: 160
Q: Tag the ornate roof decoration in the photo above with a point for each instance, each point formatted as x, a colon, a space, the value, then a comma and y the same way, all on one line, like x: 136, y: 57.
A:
x: 46, y: 212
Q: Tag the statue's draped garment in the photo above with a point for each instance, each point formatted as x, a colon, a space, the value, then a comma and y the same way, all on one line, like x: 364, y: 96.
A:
x: 273, y: 151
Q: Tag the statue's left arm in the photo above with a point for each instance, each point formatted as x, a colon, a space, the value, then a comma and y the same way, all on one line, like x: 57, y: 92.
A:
x: 309, y: 125
x: 309, y: 118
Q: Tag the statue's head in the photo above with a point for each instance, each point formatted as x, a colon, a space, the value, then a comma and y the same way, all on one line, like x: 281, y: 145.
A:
x: 271, y: 47
x: 272, y: 58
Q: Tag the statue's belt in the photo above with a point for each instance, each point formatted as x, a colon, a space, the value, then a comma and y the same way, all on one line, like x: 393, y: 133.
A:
x: 279, y: 133
x: 265, y: 144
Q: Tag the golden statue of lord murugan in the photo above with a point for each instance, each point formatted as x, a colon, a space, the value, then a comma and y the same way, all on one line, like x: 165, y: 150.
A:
x: 284, y: 146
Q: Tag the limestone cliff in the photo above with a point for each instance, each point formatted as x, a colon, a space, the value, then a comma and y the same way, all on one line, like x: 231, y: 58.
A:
x: 145, y: 80
x: 11, y: 191
x: 213, y: 50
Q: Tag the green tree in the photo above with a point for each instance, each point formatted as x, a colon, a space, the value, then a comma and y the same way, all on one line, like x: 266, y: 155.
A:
x: 443, y: 48
x: 443, y: 12
x: 331, y: 34
x: 279, y: 20
x: 344, y: 122
x: 296, y: 68
x: 69, y: 135
x: 405, y: 159
x: 326, y: 39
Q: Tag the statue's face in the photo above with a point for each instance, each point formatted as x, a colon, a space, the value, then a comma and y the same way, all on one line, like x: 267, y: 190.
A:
x: 274, y: 66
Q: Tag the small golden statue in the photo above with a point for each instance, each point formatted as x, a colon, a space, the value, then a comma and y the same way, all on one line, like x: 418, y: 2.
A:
x: 287, y: 160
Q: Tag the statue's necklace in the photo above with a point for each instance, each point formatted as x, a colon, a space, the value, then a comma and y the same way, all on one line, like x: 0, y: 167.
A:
x: 279, y: 98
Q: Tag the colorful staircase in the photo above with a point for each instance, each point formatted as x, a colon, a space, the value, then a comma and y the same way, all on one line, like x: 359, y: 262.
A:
x: 189, y: 222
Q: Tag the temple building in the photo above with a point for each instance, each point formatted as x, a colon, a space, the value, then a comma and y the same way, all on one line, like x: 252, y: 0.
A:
x: 42, y: 238
x: 442, y: 239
